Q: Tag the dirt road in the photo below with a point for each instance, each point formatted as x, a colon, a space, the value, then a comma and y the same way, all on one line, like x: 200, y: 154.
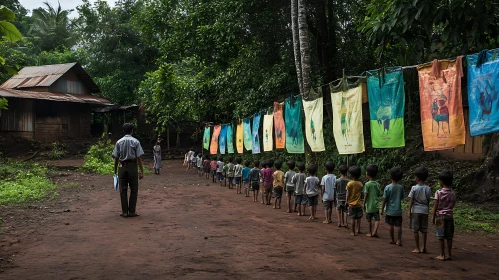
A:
x: 190, y: 228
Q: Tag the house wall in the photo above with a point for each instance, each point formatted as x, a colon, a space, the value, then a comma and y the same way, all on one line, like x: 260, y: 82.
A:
x: 69, y: 83
x: 18, y: 120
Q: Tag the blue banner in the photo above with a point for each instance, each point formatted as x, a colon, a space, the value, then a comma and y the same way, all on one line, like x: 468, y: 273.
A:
x: 256, y: 136
x: 222, y: 139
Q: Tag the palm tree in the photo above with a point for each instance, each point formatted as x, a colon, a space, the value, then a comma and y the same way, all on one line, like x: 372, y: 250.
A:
x: 304, y: 48
x: 296, y: 42
x: 52, y: 27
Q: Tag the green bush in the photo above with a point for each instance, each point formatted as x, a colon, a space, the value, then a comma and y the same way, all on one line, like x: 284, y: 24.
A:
x: 98, y: 158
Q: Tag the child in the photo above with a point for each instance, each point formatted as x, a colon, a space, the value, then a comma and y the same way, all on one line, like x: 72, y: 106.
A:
x: 207, y: 167
x: 393, y: 195
x: 200, y: 165
x: 255, y: 175
x: 340, y: 190
x: 157, y: 156
x: 264, y: 166
x: 267, y: 182
x: 300, y: 196
x: 230, y: 172
x: 372, y: 192
x: 213, y: 166
x: 312, y: 190
x: 220, y: 169
x: 278, y: 183
x: 194, y: 162
x: 224, y: 173
x: 238, y: 174
x: 246, y: 178
x: 419, y: 205
x: 354, y: 191
x: 290, y: 186
x: 443, y: 213
x: 327, y: 183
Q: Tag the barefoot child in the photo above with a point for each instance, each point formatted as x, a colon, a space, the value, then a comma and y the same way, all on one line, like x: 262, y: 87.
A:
x: 393, y: 195
x: 238, y: 174
x: 312, y: 189
x: 354, y: 191
x: 230, y: 172
x: 278, y: 183
x: 213, y: 166
x: 264, y: 166
x: 340, y: 191
x: 220, y: 170
x: 207, y: 167
x: 255, y: 175
x: 300, y: 196
x: 267, y: 182
x: 246, y: 178
x: 372, y: 192
x: 328, y: 182
x: 290, y: 186
x: 443, y: 214
x: 419, y: 205
x: 200, y: 165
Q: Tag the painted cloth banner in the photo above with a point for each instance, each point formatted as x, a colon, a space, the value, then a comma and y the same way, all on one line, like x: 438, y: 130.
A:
x: 442, y: 118
x: 206, y: 138
x: 248, y: 142
x: 230, y: 139
x: 268, y: 126
x: 483, y: 88
x: 386, y: 107
x: 347, y: 118
x: 280, y: 130
x: 293, y: 121
x: 222, y: 139
x: 214, y: 140
x: 239, y: 137
x: 313, y: 124
x: 256, y: 136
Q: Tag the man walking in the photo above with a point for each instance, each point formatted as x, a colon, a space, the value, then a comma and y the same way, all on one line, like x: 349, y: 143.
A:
x: 127, y: 153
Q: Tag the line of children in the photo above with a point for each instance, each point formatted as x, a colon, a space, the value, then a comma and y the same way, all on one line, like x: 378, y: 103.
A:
x: 245, y: 173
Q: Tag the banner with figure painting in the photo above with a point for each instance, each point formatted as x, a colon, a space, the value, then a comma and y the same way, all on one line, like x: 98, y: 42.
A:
x: 256, y: 135
x: 442, y: 120
x: 347, y: 117
x: 386, y: 107
x: 206, y: 138
x: 248, y: 136
x: 280, y: 130
x: 230, y: 139
x: 239, y: 137
x: 313, y: 110
x: 483, y: 90
x: 214, y: 139
x: 268, y: 125
x: 293, y: 121
x: 222, y: 139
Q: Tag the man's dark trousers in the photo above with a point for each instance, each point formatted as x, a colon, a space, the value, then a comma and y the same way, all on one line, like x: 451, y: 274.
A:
x: 129, y: 176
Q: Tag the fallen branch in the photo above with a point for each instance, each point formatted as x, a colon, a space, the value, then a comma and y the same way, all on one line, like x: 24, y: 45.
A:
x: 32, y: 156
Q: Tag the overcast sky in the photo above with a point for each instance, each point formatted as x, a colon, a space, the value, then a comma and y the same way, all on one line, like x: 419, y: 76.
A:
x: 65, y: 4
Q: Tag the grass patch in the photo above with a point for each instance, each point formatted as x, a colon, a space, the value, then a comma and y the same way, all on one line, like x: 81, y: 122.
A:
x: 472, y: 218
x: 23, y: 182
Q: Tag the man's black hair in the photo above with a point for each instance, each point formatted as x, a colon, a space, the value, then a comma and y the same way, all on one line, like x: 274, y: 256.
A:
x: 330, y: 166
x: 230, y: 159
x: 278, y: 165
x: 372, y: 170
x: 291, y: 164
x: 247, y: 163
x: 421, y: 173
x: 207, y: 157
x: 312, y: 169
x: 239, y: 160
x: 343, y: 169
x: 301, y: 167
x: 354, y: 172
x: 446, y: 177
x: 128, y: 128
x: 256, y: 163
x: 270, y: 163
x: 396, y: 174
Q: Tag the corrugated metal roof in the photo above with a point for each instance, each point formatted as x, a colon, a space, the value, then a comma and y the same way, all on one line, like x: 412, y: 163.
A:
x: 62, y: 97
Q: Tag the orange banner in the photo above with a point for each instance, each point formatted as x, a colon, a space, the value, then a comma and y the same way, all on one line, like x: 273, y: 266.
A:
x: 442, y: 118
x: 239, y: 137
x: 279, y: 128
x: 214, y: 139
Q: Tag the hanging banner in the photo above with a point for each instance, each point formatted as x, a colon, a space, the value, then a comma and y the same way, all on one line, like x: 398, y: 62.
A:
x: 230, y: 139
x: 214, y: 140
x: 293, y: 121
x: 256, y: 136
x: 442, y: 118
x: 280, y: 130
x: 268, y: 126
x: 347, y: 118
x: 222, y: 139
x: 206, y: 138
x: 248, y: 141
x: 386, y: 107
x: 483, y: 89
x: 313, y: 123
x: 239, y: 138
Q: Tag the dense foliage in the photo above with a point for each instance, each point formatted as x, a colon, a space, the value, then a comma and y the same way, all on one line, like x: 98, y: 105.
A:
x: 98, y: 159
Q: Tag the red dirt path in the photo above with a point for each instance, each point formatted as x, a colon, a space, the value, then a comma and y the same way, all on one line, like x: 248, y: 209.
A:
x: 192, y: 229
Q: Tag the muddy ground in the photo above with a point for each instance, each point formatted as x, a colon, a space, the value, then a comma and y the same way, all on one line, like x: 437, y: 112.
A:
x: 190, y: 228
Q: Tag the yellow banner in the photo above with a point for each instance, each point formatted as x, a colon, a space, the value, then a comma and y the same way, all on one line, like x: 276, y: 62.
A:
x: 239, y: 137
x: 268, y: 123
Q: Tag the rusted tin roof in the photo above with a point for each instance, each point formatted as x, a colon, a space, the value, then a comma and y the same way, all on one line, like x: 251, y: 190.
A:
x: 46, y: 75
x: 62, y: 97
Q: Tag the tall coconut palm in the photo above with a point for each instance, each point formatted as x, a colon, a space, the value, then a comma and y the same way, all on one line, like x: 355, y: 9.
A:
x: 52, y: 27
x: 304, y: 47
x: 296, y: 42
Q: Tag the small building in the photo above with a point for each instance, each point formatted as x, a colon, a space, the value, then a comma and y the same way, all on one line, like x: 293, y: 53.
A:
x: 50, y: 102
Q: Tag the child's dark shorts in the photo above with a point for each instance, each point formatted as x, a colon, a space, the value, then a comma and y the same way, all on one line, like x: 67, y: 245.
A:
x: 419, y: 222
x: 277, y: 192
x: 373, y: 216
x: 355, y: 213
x: 301, y: 199
x: 255, y: 186
x: 313, y: 200
x: 246, y: 184
x: 445, y: 227
x: 393, y: 220
x: 290, y: 191
x: 267, y: 188
x: 328, y: 204
x: 237, y: 180
x: 341, y: 205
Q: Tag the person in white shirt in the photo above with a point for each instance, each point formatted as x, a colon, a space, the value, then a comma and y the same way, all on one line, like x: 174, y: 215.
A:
x: 328, y: 182
x: 312, y: 190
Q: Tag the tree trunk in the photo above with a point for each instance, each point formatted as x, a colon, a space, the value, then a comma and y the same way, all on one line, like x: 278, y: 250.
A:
x: 296, y: 42
x: 304, y: 47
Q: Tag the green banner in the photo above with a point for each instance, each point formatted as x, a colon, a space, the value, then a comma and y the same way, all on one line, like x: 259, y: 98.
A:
x: 293, y: 122
x: 206, y: 138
